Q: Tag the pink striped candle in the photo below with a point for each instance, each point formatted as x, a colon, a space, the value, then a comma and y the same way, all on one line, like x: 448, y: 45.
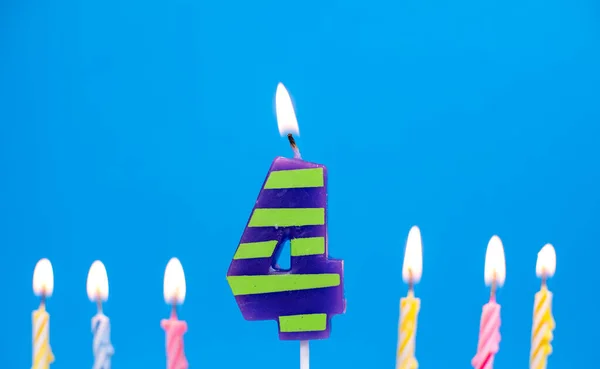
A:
x: 174, y: 331
x: 489, y: 336
x: 174, y: 292
x: 489, y: 327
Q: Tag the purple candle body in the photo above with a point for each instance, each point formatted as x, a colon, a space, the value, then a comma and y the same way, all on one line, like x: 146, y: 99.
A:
x: 292, y: 205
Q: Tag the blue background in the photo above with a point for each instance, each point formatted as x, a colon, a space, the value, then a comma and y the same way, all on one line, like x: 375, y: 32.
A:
x: 134, y: 131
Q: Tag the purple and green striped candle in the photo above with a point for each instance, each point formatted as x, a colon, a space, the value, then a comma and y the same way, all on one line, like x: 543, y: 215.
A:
x: 291, y: 206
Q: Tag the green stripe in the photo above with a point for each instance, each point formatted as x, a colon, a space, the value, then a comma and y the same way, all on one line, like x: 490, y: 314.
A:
x: 257, y: 284
x: 253, y: 250
x: 288, y: 217
x: 297, y: 178
x: 307, y: 246
x: 303, y: 323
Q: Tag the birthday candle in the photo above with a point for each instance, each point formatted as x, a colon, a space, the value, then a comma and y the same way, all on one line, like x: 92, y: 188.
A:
x: 489, y: 329
x: 174, y: 292
x: 412, y: 270
x: 291, y: 206
x: 97, y: 290
x: 543, y: 321
x: 43, y: 286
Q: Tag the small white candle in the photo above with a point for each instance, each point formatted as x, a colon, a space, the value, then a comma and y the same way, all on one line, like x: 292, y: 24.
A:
x: 97, y: 290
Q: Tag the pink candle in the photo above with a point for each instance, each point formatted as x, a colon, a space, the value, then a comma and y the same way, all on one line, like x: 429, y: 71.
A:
x: 489, y: 336
x: 174, y: 330
x: 489, y: 328
x: 174, y: 292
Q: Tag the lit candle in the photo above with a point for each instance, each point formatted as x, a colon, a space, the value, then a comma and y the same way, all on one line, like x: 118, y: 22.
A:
x: 412, y: 269
x: 489, y: 328
x: 43, y: 286
x: 291, y: 206
x: 174, y: 292
x: 97, y: 290
x: 543, y: 321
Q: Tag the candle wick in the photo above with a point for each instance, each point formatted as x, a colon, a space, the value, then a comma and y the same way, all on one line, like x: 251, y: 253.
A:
x: 43, y: 300
x: 493, y: 290
x: 493, y: 287
x: 411, y: 283
x: 544, y: 281
x: 294, y: 146
x: 174, y: 311
x: 99, y: 305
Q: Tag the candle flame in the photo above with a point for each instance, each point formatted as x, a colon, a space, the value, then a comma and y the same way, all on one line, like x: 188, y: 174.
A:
x: 412, y: 268
x: 43, y: 278
x: 286, y: 117
x: 495, y: 264
x: 174, y: 282
x: 546, y: 262
x: 97, y: 282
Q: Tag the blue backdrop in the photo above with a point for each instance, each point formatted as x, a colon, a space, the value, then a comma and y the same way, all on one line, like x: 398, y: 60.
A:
x: 134, y: 131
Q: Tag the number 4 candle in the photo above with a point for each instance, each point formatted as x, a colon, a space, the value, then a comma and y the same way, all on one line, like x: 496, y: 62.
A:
x: 292, y: 205
x: 43, y: 286
x: 489, y: 329
x: 412, y: 269
x: 543, y: 321
x: 174, y: 292
x: 97, y: 290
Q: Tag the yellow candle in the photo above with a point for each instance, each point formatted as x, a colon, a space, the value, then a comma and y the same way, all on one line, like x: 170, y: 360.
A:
x: 43, y: 285
x: 543, y: 321
x: 409, y: 311
x: 412, y: 270
x: 42, y: 353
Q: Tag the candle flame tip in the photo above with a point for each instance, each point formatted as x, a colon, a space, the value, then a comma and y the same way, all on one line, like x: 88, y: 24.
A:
x: 97, y: 282
x: 495, y: 263
x: 284, y: 109
x: 174, y: 282
x: 43, y: 278
x: 412, y: 267
x: 546, y: 262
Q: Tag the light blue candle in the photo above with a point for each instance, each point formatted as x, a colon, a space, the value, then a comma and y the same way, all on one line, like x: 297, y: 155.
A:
x: 97, y: 289
x: 103, y: 349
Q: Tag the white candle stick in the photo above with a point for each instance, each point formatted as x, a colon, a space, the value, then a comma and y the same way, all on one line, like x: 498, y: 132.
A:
x: 304, y: 355
x: 43, y: 286
x: 97, y: 290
